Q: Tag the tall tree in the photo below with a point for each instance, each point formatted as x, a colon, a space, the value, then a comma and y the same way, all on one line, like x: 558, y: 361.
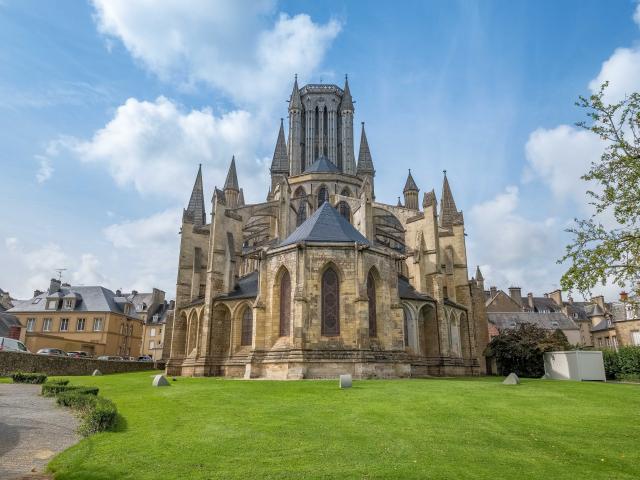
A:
x: 600, y: 252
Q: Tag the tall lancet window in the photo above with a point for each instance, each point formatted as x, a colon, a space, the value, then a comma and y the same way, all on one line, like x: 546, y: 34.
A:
x: 323, y: 195
x: 247, y: 327
x: 371, y: 294
x: 301, y: 214
x: 344, y: 210
x: 330, y: 303
x: 285, y: 304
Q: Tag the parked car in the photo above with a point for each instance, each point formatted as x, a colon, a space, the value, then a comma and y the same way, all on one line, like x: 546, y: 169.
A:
x: 145, y: 358
x: 55, y: 352
x: 12, y: 345
x: 79, y: 354
x: 110, y: 357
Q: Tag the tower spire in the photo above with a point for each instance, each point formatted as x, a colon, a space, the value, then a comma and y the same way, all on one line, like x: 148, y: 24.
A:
x: 347, y: 101
x: 280, y: 162
x: 410, y: 184
x: 365, y: 162
x: 231, y: 183
x: 295, y: 101
x: 410, y: 193
x: 195, y: 212
x: 449, y: 214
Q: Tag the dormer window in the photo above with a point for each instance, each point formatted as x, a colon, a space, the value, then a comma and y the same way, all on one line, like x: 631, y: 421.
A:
x: 52, y: 304
x: 69, y: 303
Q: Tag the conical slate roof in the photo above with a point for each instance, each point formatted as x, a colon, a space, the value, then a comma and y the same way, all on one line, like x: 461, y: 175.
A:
x: 347, y: 101
x: 365, y: 162
x: 231, y: 183
x: 195, y: 210
x: 449, y: 214
x: 280, y: 162
x: 479, y: 274
x: 322, y: 164
x: 410, y: 185
x: 325, y: 225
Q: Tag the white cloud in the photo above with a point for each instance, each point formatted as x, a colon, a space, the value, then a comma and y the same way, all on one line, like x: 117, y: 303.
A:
x: 11, y: 243
x: 235, y: 46
x: 636, y: 14
x: 45, y: 169
x: 559, y: 157
x: 89, y: 272
x: 156, y: 229
x: 622, y: 71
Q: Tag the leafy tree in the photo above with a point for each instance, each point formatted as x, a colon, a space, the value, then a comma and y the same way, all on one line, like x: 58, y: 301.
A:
x: 521, y: 350
x: 600, y: 253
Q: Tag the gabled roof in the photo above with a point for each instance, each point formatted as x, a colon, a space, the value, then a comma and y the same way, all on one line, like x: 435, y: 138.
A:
x: 325, y: 225
x: 280, y: 162
x: 322, y: 164
x: 231, y: 183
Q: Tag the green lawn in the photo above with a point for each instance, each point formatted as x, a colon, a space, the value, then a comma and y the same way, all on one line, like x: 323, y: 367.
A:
x: 438, y: 429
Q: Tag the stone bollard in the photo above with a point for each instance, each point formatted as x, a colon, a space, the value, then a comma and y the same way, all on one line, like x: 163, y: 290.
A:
x: 160, y: 381
x: 512, y: 379
x: 345, y: 381
x: 96, y: 372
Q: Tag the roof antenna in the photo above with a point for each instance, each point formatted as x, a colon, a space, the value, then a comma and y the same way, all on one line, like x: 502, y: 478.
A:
x: 60, y: 270
x: 445, y: 172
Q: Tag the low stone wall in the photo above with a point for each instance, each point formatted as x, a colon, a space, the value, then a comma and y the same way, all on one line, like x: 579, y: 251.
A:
x: 30, y: 362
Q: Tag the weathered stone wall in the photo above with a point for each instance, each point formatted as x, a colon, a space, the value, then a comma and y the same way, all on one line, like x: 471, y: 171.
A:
x: 28, y: 362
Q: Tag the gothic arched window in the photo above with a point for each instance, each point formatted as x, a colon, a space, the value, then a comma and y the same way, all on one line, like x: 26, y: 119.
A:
x: 301, y: 214
x: 405, y: 315
x: 323, y: 195
x: 330, y: 303
x: 371, y: 294
x: 247, y: 327
x: 285, y: 304
x: 345, y: 210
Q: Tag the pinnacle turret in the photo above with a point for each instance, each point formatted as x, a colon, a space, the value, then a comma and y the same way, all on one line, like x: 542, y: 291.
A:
x: 280, y: 162
x: 295, y: 102
x: 410, y: 185
x: 195, y: 212
x: 479, y: 276
x: 365, y: 162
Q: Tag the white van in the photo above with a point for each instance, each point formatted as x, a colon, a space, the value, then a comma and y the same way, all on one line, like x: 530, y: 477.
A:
x: 12, y: 345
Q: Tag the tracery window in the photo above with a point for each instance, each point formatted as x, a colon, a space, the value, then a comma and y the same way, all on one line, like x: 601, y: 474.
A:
x: 330, y: 303
x: 371, y: 294
x: 285, y: 304
x: 344, y: 210
x: 323, y: 195
x: 247, y: 327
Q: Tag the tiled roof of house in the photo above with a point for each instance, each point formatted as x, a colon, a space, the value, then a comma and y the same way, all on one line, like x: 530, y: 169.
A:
x: 549, y: 321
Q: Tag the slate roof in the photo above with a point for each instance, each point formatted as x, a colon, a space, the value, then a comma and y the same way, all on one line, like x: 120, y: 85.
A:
x: 91, y: 299
x: 410, y: 185
x: 6, y: 322
x: 322, y: 164
x: 408, y: 292
x: 247, y: 287
x: 604, y: 324
x: 506, y: 320
x: 325, y: 225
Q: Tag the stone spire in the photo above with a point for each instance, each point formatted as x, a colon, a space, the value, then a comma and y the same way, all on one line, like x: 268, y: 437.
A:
x: 241, y: 198
x: 479, y: 274
x: 411, y: 191
x: 280, y: 162
x: 449, y: 214
x: 231, y: 188
x: 295, y: 101
x: 347, y: 101
x: 195, y: 213
x: 365, y: 162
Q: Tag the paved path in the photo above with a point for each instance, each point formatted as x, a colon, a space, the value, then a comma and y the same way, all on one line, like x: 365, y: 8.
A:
x: 32, y: 430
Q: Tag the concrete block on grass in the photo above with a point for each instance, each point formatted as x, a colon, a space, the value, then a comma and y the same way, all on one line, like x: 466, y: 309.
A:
x: 345, y: 381
x: 160, y: 381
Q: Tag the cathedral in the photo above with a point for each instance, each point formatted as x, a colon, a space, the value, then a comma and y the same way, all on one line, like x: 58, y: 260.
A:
x: 322, y: 279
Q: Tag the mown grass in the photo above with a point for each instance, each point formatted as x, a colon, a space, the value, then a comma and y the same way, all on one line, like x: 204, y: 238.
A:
x: 208, y: 428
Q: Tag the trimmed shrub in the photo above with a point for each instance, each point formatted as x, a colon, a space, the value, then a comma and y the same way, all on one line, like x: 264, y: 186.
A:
x: 628, y: 362
x: 102, y: 416
x: 53, y: 389
x: 59, y: 381
x: 611, y: 364
x: 76, y: 399
x: 33, y: 378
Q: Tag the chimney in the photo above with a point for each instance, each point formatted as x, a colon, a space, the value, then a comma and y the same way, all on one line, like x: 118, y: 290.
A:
x: 172, y: 305
x: 546, y: 295
x: 556, y: 296
x: 118, y: 293
x: 37, y: 292
x: 624, y: 296
x: 134, y: 292
x: 599, y: 300
x: 530, y: 300
x: 516, y: 294
x: 54, y: 286
x: 494, y: 291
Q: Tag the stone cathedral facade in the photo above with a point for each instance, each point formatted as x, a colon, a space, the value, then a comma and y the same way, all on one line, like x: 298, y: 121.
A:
x: 321, y: 278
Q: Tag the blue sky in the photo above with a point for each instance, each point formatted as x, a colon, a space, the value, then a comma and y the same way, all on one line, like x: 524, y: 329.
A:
x: 106, y: 109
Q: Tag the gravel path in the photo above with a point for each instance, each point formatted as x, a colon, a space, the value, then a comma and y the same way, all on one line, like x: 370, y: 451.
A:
x: 32, y: 430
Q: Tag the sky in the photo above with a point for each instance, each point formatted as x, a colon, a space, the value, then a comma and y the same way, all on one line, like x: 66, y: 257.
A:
x: 107, y: 108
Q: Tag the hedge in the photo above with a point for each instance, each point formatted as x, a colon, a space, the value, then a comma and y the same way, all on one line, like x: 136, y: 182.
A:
x: 97, y: 413
x: 622, y: 364
x: 33, y: 378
